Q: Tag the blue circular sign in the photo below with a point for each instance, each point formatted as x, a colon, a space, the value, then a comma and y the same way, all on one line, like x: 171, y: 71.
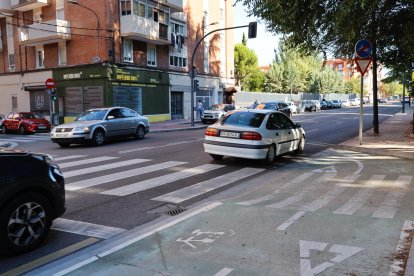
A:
x: 363, y: 48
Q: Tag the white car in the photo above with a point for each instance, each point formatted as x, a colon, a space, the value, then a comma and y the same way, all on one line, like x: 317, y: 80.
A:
x: 214, y: 112
x: 292, y: 107
x: 346, y: 103
x: 254, y: 134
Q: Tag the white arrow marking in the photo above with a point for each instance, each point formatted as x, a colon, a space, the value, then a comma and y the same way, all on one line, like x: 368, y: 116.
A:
x: 306, y: 269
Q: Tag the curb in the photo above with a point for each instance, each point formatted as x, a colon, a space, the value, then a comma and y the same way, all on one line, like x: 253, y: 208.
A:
x: 380, y: 152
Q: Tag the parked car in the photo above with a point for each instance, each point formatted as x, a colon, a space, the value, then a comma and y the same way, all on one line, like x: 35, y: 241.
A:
x: 293, y: 108
x: 97, y: 125
x: 323, y: 105
x: 354, y: 102
x: 254, y: 134
x: 214, y: 112
x: 24, y: 122
x: 309, y: 105
x: 336, y: 103
x: 277, y: 106
x: 345, y: 103
x: 32, y: 195
x: 329, y: 105
x: 405, y: 100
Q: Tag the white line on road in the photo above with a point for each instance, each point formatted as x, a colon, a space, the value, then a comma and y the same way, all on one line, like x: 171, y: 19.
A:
x: 312, y: 130
x: 104, y: 167
x: 69, y: 157
x: 161, y: 180
x: 85, y: 228
x: 120, y: 175
x: 162, y: 146
x: 393, y: 200
x: 86, y: 161
x: 224, y: 272
x: 361, y: 197
x: 207, y: 186
x: 291, y: 220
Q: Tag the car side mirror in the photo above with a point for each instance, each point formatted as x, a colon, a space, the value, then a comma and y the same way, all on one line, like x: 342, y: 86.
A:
x: 298, y: 125
x: 110, y: 117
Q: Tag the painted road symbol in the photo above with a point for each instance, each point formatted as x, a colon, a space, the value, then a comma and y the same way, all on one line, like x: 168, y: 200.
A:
x: 330, y: 169
x: 343, y: 251
x: 363, y: 48
x: 200, y: 241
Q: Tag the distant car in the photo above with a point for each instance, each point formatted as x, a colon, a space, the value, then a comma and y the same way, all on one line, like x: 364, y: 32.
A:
x: 309, y: 105
x: 277, y: 106
x: 382, y: 100
x: 354, y: 102
x: 97, y: 125
x: 24, y: 122
x: 292, y: 107
x: 32, y: 195
x: 346, y: 103
x: 336, y: 103
x: 214, y: 112
x: 405, y: 100
x: 330, y: 105
x: 254, y: 134
x: 323, y: 105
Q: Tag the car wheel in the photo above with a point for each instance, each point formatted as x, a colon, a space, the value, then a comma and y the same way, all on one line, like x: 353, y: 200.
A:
x: 64, y: 145
x: 3, y: 129
x: 301, y: 146
x: 270, y: 156
x: 24, y: 223
x: 98, y: 138
x: 216, y: 156
x: 140, y: 132
x: 21, y: 130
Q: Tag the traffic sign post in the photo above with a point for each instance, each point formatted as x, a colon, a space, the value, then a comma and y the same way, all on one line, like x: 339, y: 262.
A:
x: 50, y: 83
x: 363, y: 50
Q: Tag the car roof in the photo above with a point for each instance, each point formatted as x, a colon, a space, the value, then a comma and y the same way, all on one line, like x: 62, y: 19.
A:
x: 105, y: 108
x: 262, y: 111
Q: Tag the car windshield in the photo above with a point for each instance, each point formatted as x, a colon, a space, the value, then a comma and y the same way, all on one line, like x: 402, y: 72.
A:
x: 216, y: 107
x: 267, y: 106
x: 248, y: 119
x: 28, y: 116
x: 92, y: 115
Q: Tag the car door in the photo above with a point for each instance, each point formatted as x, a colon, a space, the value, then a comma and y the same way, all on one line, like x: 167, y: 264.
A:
x: 277, y: 132
x: 130, y: 120
x: 292, y: 134
x: 115, y: 125
x: 15, y: 122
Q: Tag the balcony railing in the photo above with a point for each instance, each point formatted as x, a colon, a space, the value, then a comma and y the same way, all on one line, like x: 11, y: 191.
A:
x: 27, y: 5
x: 45, y: 32
x: 143, y: 29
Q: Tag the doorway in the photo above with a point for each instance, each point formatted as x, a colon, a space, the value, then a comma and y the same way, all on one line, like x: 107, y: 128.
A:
x: 177, y: 105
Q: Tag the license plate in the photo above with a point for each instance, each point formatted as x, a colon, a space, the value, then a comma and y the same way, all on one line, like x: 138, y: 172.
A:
x: 230, y: 134
x: 41, y: 127
x: 61, y: 135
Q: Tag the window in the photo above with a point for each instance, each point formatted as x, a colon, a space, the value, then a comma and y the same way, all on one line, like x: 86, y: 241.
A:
x: 40, y: 57
x: 60, y: 11
x: 150, y: 12
x: 141, y: 9
x: 151, y: 55
x: 125, y: 7
x: 178, y: 61
x: 14, y: 102
x: 11, y: 63
x: 128, y: 50
x: 62, y: 53
x: 136, y: 7
x: 177, y: 28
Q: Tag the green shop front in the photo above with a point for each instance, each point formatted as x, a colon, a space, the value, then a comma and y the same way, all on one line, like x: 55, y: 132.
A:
x: 94, y: 86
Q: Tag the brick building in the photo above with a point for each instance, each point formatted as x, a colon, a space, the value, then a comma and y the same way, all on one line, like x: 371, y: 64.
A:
x: 133, y: 53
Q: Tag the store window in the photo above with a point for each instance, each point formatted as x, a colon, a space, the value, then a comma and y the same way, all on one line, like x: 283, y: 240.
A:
x: 130, y: 97
x: 151, y: 55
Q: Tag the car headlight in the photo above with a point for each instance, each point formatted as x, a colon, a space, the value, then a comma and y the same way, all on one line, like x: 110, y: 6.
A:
x: 82, y: 129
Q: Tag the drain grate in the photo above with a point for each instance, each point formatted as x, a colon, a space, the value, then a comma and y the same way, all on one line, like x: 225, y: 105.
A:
x: 175, y: 212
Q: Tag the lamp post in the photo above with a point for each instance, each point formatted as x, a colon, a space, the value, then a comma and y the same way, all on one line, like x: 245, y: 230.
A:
x: 75, y: 2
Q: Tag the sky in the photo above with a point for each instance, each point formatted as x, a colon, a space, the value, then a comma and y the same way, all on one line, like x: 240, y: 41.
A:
x: 263, y: 45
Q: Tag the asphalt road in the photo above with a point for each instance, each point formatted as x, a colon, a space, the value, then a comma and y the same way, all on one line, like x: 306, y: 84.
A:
x: 123, y: 184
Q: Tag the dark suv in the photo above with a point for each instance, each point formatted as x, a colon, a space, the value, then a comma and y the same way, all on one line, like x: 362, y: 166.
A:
x: 276, y: 105
x: 32, y: 195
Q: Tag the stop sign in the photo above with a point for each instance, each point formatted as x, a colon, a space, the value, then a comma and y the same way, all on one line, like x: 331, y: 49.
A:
x: 50, y: 83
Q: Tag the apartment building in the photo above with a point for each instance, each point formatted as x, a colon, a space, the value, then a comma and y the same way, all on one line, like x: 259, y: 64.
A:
x: 134, y: 53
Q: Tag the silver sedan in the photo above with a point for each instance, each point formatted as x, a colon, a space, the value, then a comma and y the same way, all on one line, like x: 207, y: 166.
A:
x: 97, y: 125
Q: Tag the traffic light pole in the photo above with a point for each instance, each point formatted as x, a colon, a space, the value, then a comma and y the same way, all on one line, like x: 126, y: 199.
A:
x: 192, y: 71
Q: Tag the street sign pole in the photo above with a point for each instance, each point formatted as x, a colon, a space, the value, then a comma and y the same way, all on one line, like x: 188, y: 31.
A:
x: 361, y: 109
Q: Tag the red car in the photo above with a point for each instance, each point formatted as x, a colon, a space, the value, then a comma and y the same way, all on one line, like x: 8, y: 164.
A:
x: 24, y: 122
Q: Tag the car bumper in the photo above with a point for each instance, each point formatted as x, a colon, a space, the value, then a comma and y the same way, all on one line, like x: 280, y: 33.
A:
x: 70, y: 137
x: 236, y: 150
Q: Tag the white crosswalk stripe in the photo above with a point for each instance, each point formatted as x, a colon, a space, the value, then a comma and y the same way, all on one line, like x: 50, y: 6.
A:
x: 63, y: 158
x: 161, y: 180
x: 120, y: 175
x: 86, y: 161
x: 207, y: 186
x: 104, y: 167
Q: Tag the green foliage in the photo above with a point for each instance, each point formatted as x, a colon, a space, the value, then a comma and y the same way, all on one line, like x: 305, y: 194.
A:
x: 391, y: 89
x: 245, y: 64
x: 255, y: 82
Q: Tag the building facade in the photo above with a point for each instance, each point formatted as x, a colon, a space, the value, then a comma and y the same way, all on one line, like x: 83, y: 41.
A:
x: 134, y: 53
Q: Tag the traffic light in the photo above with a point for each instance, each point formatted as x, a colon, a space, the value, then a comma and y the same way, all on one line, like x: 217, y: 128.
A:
x: 196, y: 85
x: 53, y: 95
x: 252, y: 30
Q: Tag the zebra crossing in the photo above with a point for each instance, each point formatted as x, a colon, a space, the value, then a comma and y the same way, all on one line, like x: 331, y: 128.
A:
x: 381, y: 193
x: 78, y: 169
x: 23, y: 139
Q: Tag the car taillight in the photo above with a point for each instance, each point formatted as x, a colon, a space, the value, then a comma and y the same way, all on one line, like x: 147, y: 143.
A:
x: 211, y: 132
x: 250, y: 135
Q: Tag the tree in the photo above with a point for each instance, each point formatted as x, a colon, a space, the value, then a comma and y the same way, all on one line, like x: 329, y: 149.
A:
x: 391, y: 89
x: 335, y: 26
x: 245, y: 64
x: 255, y: 82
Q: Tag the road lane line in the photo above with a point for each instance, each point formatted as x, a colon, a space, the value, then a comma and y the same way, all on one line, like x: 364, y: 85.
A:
x: 161, y: 146
x: 69, y: 157
x: 312, y: 130
x: 298, y: 196
x: 401, y: 257
x: 85, y: 228
x: 86, y: 161
x: 299, y: 179
x: 187, y: 193
x: 161, y: 180
x: 358, y: 200
x: 290, y: 221
x: 224, y: 272
x: 120, y: 164
x: 393, y: 200
x: 120, y: 175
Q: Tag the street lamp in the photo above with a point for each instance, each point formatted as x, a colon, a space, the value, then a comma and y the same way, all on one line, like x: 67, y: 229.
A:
x: 75, y: 2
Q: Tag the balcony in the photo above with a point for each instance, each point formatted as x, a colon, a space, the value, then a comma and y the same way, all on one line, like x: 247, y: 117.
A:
x: 48, y: 32
x: 175, y: 4
x: 27, y: 5
x: 143, y: 29
x: 5, y: 8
